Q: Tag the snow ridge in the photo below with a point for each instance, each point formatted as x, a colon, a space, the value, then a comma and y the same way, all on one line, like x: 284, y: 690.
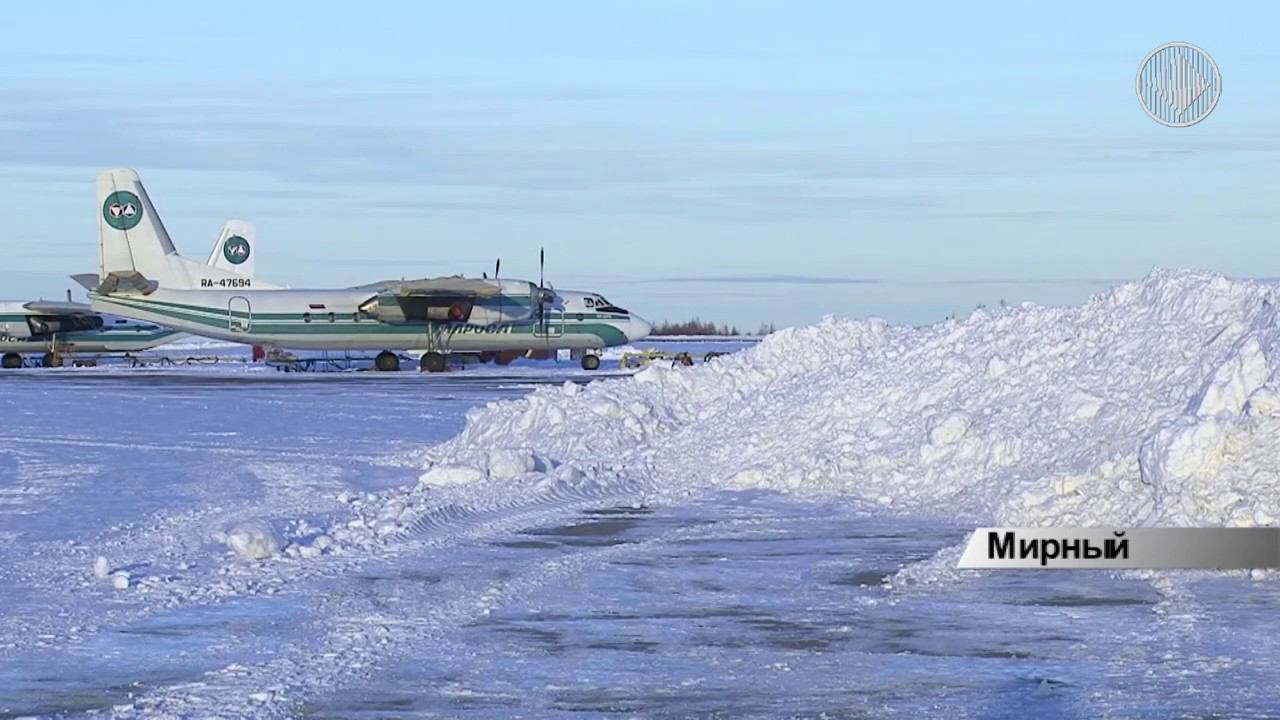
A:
x: 1153, y: 403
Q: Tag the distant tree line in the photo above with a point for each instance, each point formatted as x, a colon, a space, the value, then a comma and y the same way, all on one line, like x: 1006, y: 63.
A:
x: 697, y: 326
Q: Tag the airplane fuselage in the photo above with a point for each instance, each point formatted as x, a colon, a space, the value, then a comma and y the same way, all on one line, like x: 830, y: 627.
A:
x: 24, y: 331
x: 347, y: 320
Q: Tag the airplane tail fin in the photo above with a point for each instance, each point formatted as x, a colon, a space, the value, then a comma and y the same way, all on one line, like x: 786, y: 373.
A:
x: 235, y: 251
x: 131, y: 237
x: 132, y: 241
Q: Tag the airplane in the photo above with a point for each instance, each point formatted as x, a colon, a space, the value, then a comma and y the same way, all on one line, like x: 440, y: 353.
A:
x: 142, y: 276
x: 56, y: 328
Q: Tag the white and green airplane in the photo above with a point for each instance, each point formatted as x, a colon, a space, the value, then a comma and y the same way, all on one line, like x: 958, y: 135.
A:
x: 142, y: 276
x: 53, y: 329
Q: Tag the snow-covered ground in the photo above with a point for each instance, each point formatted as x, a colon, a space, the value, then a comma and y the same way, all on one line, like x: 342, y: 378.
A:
x: 771, y: 533
x: 193, y: 353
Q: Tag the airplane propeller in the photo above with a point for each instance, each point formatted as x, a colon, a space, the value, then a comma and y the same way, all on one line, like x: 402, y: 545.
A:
x: 542, y: 291
x: 546, y: 293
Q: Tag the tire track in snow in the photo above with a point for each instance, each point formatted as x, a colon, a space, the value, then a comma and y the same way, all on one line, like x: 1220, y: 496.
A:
x: 309, y: 454
x: 163, y: 550
x: 360, y: 633
x: 230, y: 579
x: 36, y: 479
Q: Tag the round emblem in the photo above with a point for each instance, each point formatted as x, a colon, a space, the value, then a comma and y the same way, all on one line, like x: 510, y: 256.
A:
x: 1178, y: 84
x: 122, y: 210
x: 235, y: 249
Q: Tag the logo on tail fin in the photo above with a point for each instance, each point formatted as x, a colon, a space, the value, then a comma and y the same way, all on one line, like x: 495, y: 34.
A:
x: 123, y: 211
x: 235, y: 249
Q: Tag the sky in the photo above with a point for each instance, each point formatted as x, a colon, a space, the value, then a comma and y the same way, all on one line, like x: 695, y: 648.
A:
x: 743, y: 162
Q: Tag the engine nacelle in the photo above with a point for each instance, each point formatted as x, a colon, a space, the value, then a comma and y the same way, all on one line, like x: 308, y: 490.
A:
x: 14, y: 330
x: 396, y: 309
x: 418, y: 309
x: 54, y: 324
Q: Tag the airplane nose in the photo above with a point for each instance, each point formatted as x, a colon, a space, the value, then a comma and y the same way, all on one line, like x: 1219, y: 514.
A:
x: 638, y: 328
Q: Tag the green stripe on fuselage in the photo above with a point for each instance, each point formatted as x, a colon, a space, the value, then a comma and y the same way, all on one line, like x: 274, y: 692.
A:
x: 296, y: 324
x: 224, y: 312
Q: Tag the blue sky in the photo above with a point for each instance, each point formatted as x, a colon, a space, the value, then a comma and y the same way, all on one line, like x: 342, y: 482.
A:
x: 741, y: 161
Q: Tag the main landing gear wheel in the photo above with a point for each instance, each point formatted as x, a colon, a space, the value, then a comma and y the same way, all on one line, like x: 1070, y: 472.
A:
x: 11, y: 361
x: 432, y: 362
x: 387, y: 361
x: 590, y: 362
x: 50, y: 360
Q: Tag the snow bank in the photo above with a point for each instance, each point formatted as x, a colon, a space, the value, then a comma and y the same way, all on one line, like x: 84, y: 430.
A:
x: 1154, y: 402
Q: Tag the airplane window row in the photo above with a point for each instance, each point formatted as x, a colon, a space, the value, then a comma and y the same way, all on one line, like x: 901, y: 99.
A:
x: 355, y: 317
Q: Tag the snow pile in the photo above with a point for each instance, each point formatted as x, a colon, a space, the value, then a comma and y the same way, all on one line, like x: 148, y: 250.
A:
x: 120, y: 578
x: 1154, y: 402
x: 254, y: 540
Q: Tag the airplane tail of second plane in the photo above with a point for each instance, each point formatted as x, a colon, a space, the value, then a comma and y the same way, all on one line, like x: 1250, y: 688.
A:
x: 236, y: 249
x: 133, y: 244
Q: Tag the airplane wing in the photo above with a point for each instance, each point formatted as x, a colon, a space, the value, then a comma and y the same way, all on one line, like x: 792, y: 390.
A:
x: 443, y: 299
x: 51, y: 307
x: 453, y: 286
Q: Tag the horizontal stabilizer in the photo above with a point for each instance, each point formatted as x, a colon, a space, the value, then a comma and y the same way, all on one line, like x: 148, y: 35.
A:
x: 88, y: 281
x: 126, y: 282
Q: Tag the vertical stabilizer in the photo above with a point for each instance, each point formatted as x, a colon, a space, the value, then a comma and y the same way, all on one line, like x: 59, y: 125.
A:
x: 236, y: 249
x: 130, y: 234
x: 135, y: 249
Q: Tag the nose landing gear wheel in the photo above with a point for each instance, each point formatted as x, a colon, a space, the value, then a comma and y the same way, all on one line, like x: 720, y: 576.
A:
x: 11, y: 361
x: 590, y: 362
x: 432, y: 362
x: 387, y: 362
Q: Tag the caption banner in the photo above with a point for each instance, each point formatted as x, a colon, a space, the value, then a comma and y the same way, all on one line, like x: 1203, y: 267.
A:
x: 1121, y: 548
